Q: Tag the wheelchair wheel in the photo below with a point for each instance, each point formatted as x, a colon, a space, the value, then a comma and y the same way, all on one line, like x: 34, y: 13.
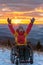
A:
x: 12, y: 59
x: 31, y: 56
x: 12, y: 56
x: 31, y: 61
x: 16, y: 62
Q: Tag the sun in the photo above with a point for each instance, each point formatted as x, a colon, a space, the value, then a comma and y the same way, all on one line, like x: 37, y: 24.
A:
x: 16, y: 21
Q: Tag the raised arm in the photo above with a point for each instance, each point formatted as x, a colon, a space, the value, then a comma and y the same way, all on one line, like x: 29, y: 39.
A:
x: 30, y: 26
x: 10, y: 26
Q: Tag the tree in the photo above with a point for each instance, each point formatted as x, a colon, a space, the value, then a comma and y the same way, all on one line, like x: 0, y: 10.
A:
x: 38, y: 46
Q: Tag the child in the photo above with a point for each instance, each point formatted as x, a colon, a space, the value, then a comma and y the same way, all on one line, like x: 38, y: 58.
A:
x: 20, y: 34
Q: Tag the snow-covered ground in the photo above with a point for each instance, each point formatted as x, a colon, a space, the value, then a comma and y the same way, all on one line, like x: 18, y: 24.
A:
x: 5, y: 58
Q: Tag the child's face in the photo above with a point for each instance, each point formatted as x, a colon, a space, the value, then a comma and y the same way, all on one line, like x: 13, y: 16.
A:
x: 20, y: 30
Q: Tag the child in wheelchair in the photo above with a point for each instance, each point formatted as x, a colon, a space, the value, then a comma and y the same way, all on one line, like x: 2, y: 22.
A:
x: 20, y: 38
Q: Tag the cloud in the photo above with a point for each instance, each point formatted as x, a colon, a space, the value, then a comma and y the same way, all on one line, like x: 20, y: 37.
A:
x: 3, y: 4
x: 1, y: 14
x: 39, y: 9
x: 28, y: 8
x: 21, y: 5
x: 41, y: 14
x: 6, y: 9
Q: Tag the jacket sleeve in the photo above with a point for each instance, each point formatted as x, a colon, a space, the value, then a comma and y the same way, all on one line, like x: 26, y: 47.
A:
x: 29, y: 28
x: 11, y: 28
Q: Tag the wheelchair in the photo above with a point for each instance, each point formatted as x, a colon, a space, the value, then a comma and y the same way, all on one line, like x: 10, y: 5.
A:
x: 21, y: 54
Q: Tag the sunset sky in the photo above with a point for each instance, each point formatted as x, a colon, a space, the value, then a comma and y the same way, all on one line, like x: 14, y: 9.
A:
x: 21, y: 11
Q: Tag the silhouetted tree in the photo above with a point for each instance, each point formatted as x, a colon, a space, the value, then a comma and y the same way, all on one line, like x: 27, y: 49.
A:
x: 38, y: 46
x: 8, y: 43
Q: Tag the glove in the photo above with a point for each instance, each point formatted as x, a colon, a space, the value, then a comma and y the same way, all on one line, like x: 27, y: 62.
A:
x: 9, y: 21
x: 32, y: 20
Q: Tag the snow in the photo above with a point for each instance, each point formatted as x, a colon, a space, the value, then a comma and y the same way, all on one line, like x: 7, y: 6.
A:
x: 5, y: 58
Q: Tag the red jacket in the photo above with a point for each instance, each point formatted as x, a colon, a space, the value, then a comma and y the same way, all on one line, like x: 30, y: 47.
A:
x: 20, y: 37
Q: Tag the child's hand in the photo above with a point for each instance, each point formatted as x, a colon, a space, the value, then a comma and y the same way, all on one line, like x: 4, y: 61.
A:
x: 32, y: 20
x: 9, y: 21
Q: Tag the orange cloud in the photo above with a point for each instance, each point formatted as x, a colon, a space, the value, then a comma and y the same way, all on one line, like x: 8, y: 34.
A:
x: 39, y: 9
